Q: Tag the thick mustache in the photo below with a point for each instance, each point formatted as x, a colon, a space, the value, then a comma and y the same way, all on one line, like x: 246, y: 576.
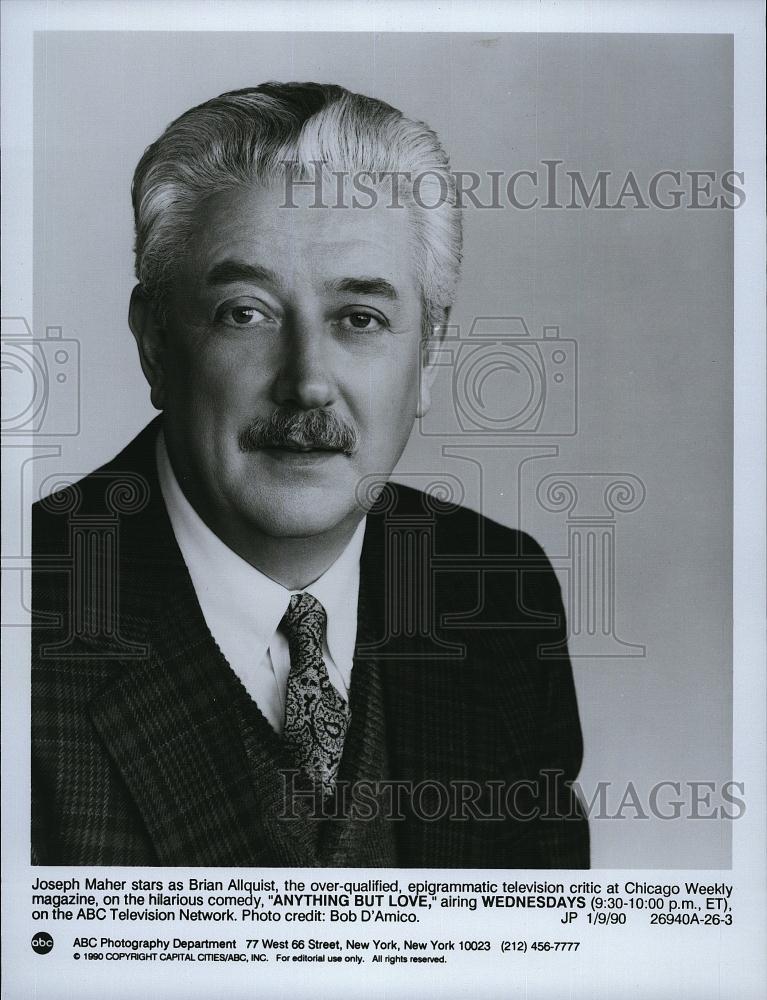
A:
x: 317, y: 429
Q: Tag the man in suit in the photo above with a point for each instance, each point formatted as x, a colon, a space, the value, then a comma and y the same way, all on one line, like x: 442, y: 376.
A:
x: 249, y: 647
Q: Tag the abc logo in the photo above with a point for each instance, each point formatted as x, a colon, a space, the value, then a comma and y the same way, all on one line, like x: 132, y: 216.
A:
x: 42, y: 943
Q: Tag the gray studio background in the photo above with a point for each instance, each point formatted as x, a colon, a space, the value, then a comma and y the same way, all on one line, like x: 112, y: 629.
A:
x: 645, y: 295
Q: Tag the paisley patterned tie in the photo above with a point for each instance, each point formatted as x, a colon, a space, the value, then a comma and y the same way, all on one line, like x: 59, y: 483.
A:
x: 316, y: 716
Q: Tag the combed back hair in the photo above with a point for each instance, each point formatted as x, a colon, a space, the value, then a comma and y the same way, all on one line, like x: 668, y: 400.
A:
x: 267, y: 133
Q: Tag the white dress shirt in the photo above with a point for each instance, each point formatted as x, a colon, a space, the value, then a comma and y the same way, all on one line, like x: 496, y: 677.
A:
x: 243, y: 607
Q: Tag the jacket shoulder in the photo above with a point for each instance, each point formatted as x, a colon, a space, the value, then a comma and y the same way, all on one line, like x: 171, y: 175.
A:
x: 122, y: 485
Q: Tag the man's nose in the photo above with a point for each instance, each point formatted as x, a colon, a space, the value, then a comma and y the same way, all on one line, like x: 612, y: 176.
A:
x: 304, y: 379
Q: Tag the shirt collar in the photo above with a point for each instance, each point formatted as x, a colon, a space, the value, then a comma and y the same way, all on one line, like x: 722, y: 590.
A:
x: 337, y: 590
x: 238, y: 592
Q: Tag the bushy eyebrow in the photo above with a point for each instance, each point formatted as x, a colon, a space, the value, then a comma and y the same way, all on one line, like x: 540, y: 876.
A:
x: 364, y: 286
x: 228, y: 272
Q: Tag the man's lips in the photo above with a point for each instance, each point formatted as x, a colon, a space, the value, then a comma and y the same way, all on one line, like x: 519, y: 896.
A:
x: 298, y: 447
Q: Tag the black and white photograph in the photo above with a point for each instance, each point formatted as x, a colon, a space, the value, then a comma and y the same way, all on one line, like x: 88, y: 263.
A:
x: 383, y: 452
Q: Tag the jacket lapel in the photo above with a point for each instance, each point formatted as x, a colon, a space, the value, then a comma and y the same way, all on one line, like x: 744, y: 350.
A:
x: 454, y: 723
x: 199, y: 759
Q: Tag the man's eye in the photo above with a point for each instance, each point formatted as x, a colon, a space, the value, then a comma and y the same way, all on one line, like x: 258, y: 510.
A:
x: 240, y: 315
x: 364, y: 321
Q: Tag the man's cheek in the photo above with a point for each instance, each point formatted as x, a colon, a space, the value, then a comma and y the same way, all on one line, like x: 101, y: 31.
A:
x: 209, y: 379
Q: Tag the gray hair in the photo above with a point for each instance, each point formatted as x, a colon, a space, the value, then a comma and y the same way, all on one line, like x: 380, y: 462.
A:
x: 252, y: 135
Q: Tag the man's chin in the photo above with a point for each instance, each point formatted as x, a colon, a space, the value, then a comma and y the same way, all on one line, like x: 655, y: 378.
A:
x: 303, y: 518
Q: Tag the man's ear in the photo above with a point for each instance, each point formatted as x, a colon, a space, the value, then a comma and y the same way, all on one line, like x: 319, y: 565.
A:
x: 429, y: 352
x: 150, y: 337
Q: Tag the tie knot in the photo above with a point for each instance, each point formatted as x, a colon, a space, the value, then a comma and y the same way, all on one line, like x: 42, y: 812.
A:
x: 305, y: 617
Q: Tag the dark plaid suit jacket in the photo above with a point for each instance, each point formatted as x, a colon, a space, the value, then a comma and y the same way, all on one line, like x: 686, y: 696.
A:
x: 146, y: 749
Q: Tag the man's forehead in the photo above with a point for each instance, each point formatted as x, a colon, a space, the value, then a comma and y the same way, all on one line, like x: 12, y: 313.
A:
x: 276, y: 202
x: 251, y: 225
